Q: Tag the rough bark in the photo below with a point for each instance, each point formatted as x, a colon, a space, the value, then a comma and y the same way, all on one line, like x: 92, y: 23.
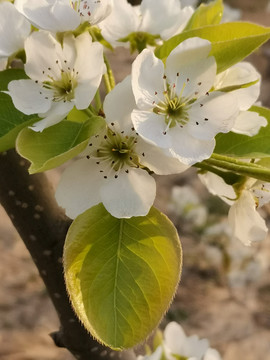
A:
x: 29, y: 202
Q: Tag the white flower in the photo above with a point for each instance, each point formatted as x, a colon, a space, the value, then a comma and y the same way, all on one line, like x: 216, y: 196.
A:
x: 175, y: 110
x: 113, y: 169
x: 246, y: 223
x: 63, y: 15
x: 247, y: 122
x: 14, y: 29
x: 159, y: 17
x: 61, y: 77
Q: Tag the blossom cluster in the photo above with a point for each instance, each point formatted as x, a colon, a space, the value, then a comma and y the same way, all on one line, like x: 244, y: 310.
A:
x: 175, y: 344
x: 161, y: 119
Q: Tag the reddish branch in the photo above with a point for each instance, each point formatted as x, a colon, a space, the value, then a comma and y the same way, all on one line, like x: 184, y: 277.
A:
x: 29, y: 202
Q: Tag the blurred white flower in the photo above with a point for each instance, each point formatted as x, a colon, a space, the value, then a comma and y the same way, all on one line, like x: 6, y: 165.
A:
x: 185, y: 202
x: 176, y: 111
x: 14, y: 29
x: 60, y: 77
x: 176, y: 345
x: 159, y: 17
x: 63, y: 15
x: 230, y: 14
x: 246, y: 223
x: 114, y: 168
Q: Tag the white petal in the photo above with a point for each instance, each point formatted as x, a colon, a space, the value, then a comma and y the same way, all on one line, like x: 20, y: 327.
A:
x: 14, y: 29
x: 175, y: 338
x: 217, y: 115
x: 147, y: 79
x: 122, y: 21
x: 94, y: 11
x: 118, y: 105
x: 247, y: 224
x: 158, y: 160
x: 57, y: 112
x: 151, y: 127
x: 78, y: 189
x: 248, y: 123
x: 42, y: 53
x: 196, y: 70
x: 49, y: 15
x: 262, y: 192
x: 212, y: 354
x: 187, y: 149
x: 217, y: 186
x: 239, y: 74
x: 196, y: 347
x: 89, y: 62
x: 163, y: 17
x: 130, y: 194
x: 26, y: 96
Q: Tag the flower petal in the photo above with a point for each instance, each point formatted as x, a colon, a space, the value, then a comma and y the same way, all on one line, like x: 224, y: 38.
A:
x: 14, y: 29
x: 196, y: 70
x: 217, y: 186
x: 163, y: 18
x: 187, y: 149
x: 118, y: 105
x: 42, y: 53
x: 212, y: 354
x: 151, y: 127
x: 247, y: 224
x: 175, y: 338
x: 248, y: 123
x: 212, y: 114
x: 52, y: 15
x: 79, y: 186
x: 158, y: 160
x: 130, y: 194
x: 29, y: 97
x: 122, y: 21
x: 240, y: 74
x: 57, y: 112
x: 147, y: 79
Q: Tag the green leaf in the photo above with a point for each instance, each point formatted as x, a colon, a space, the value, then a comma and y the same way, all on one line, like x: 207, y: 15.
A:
x: 121, y: 274
x: 206, y: 14
x: 12, y: 121
x: 244, y: 146
x: 231, y: 42
x: 56, y: 144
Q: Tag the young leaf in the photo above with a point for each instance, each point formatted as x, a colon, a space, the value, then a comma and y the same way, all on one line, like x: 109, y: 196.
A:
x: 56, y: 144
x: 206, y: 14
x: 231, y: 42
x: 244, y: 146
x: 121, y: 274
x: 12, y: 121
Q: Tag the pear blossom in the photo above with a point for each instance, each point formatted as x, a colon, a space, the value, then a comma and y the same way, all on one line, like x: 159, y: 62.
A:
x: 175, y: 108
x: 60, y: 77
x: 63, y: 15
x: 14, y: 29
x: 159, y: 18
x: 176, y: 345
x: 114, y: 169
x: 247, y: 224
x: 247, y: 122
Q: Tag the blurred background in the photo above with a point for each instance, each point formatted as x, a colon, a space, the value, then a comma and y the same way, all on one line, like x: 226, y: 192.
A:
x: 224, y: 294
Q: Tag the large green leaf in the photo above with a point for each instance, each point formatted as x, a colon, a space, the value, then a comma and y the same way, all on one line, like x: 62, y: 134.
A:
x: 11, y: 119
x: 244, y: 146
x: 231, y: 42
x: 121, y: 274
x: 56, y: 144
x: 206, y: 14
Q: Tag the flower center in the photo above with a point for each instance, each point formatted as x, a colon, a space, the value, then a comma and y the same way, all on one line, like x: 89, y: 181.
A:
x: 172, y: 106
x: 63, y: 89
x: 114, y: 151
x: 81, y: 7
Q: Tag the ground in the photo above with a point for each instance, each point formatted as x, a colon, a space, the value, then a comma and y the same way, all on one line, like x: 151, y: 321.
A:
x: 236, y: 320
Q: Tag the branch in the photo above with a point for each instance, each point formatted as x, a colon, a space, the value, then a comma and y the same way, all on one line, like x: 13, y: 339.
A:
x: 29, y: 201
